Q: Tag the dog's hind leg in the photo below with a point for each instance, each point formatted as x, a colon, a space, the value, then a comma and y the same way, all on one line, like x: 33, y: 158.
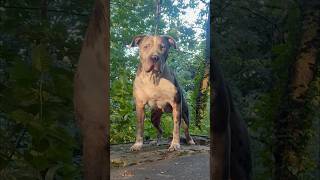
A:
x: 185, y: 123
x: 156, y: 119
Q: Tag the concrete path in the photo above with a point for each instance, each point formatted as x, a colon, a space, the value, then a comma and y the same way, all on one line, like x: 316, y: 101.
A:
x: 190, y: 167
x: 157, y: 163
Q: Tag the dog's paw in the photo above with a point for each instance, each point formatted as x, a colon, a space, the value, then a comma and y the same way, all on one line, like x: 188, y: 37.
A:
x: 191, y: 142
x: 136, y: 147
x: 154, y: 143
x: 174, y: 147
x: 159, y: 142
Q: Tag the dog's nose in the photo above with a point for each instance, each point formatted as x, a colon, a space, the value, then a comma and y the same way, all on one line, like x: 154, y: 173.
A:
x: 155, y: 58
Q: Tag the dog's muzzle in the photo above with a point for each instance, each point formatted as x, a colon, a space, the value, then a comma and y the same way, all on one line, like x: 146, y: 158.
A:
x: 153, y: 64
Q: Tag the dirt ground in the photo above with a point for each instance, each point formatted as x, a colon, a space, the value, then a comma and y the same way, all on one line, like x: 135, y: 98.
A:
x: 155, y: 162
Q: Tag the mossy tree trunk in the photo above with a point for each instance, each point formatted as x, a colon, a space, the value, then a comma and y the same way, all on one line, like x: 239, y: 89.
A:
x: 291, y: 125
x: 203, y: 86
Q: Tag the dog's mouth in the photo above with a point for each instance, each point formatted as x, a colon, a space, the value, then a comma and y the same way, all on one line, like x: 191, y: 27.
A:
x: 150, y: 68
x: 153, y: 68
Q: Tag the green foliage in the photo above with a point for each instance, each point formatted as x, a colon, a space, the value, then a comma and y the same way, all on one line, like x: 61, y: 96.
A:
x: 31, y: 103
x: 269, y: 104
x: 199, y: 110
x: 122, y: 110
x: 256, y: 52
x: 37, y: 56
x: 40, y: 58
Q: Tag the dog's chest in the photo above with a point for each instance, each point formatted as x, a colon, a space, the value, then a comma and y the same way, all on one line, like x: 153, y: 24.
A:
x: 156, y: 96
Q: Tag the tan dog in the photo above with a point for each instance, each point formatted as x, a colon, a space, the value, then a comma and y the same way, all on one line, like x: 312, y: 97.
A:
x: 156, y: 85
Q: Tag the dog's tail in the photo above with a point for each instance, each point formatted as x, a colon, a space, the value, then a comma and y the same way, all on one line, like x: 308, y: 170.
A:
x: 184, y: 110
x: 184, y: 105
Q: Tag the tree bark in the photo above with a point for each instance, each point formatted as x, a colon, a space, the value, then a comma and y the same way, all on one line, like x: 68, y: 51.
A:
x: 291, y: 124
x: 91, y: 99
x: 202, y: 93
x: 203, y: 90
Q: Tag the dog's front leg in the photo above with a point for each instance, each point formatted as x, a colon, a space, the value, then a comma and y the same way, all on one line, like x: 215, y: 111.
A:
x: 176, y: 112
x: 140, y: 121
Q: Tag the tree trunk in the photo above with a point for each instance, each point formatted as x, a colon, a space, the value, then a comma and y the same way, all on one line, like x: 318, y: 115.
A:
x: 220, y: 125
x: 203, y: 90
x: 91, y: 86
x: 230, y: 149
x: 202, y: 94
x: 291, y: 125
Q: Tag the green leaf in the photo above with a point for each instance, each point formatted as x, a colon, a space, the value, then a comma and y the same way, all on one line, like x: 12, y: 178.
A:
x: 41, y: 145
x: 21, y: 116
x: 40, y: 58
x: 22, y: 74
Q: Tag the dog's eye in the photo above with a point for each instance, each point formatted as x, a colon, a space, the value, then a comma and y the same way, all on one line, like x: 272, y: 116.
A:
x: 162, y: 46
x: 146, y: 46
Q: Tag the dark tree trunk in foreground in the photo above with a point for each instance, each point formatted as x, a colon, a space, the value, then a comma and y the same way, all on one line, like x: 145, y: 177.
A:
x: 90, y: 94
x: 230, y: 151
x: 291, y: 135
x: 230, y: 141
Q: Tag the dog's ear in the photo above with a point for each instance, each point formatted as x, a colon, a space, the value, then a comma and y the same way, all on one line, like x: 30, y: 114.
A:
x: 171, y: 41
x: 136, y: 40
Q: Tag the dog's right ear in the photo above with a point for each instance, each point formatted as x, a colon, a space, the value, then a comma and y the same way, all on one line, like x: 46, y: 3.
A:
x: 136, y: 40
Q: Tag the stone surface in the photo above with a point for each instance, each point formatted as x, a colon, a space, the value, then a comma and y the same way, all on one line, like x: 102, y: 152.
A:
x: 156, y: 162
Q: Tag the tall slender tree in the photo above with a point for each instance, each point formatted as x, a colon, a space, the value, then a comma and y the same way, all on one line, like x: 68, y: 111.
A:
x: 91, y: 94
x: 291, y: 125
x: 230, y: 155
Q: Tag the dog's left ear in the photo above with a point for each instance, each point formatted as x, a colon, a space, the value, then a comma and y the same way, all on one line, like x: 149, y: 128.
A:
x: 171, y: 41
x: 136, y: 40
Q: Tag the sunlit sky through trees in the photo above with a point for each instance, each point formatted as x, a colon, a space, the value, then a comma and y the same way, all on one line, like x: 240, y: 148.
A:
x: 189, y: 17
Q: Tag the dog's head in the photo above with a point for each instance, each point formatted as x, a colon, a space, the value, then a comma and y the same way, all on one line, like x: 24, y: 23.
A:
x: 153, y: 51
